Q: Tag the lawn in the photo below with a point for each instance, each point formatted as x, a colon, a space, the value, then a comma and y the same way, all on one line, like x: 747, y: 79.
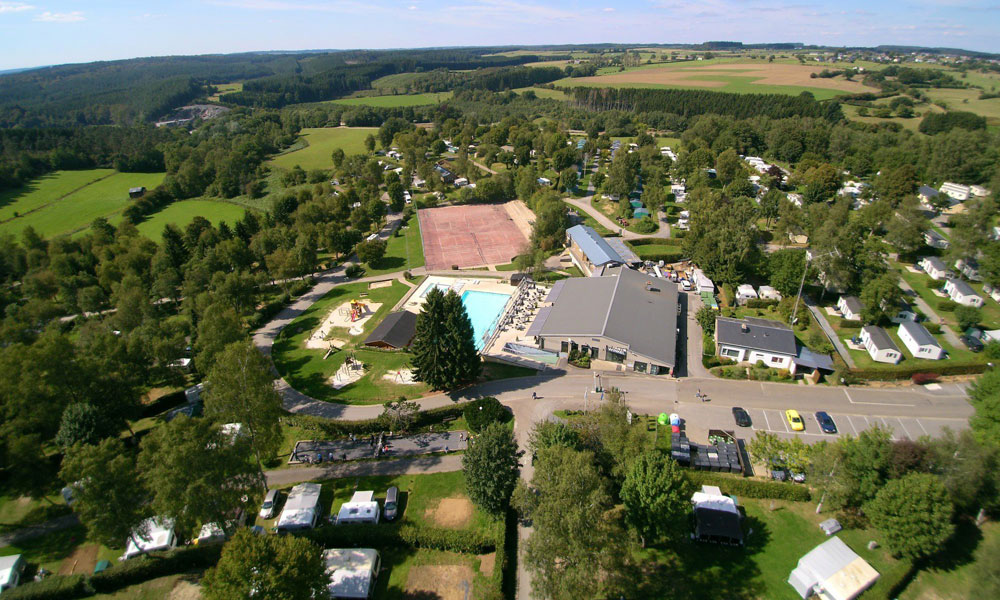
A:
x: 184, y: 211
x: 45, y: 190
x: 404, y: 250
x: 396, y: 100
x: 19, y: 512
x: 782, y: 532
x: 49, y: 551
x: 306, y: 370
x: 320, y: 144
x: 673, y: 142
x: 104, y: 197
x: 968, y: 99
x: 397, y: 564
x: 657, y: 252
x: 590, y: 221
x: 955, y: 577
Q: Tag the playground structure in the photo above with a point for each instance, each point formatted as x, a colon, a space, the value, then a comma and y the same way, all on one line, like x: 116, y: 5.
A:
x: 351, y: 315
x: 349, y: 372
x: 402, y: 377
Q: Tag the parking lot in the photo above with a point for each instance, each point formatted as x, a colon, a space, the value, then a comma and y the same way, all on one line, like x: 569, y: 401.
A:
x: 901, y: 427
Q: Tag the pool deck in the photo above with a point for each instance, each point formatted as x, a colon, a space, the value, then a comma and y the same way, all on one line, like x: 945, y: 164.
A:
x: 460, y: 285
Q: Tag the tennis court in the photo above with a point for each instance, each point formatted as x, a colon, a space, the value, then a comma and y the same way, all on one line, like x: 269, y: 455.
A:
x: 469, y: 236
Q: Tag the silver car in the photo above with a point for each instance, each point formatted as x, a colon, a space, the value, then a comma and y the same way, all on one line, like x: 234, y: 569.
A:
x: 391, y: 499
x: 270, y: 505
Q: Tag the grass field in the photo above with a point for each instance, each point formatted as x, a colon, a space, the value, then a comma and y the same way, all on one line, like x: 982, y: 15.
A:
x: 225, y: 88
x: 405, y: 250
x: 779, y: 539
x: 184, y: 211
x: 395, y: 101
x: 724, y: 75
x: 49, y: 551
x: 955, y: 577
x: 545, y: 93
x: 305, y: 369
x: 321, y: 142
x: 57, y: 212
x: 45, y: 190
x: 968, y: 99
x: 398, y: 82
x: 171, y: 586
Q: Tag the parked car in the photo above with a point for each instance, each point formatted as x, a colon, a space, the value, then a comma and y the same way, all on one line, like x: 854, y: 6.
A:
x: 972, y: 343
x: 794, y: 420
x: 391, y: 503
x: 778, y: 471
x: 742, y: 417
x: 270, y: 505
x: 826, y: 423
x: 798, y: 477
x: 686, y: 285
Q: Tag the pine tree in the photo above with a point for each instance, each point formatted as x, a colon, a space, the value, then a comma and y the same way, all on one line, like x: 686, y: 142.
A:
x: 444, y: 347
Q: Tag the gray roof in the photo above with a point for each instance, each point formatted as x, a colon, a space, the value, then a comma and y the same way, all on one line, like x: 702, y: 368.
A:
x: 919, y: 333
x: 963, y: 288
x: 928, y: 191
x: 396, y: 329
x: 624, y: 305
x: 935, y: 262
x: 853, y: 304
x: 621, y: 248
x: 934, y: 235
x: 756, y: 334
x: 820, y: 564
x: 880, y: 338
x: 598, y: 251
x: 813, y: 360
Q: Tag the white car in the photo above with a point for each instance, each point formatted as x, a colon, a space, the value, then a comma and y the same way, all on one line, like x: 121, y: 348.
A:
x: 270, y: 505
x: 686, y: 285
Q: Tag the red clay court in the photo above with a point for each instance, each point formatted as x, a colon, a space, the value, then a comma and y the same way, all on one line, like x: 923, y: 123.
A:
x: 469, y: 236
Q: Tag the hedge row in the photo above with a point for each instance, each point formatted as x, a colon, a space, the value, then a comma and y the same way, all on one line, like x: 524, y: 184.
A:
x: 761, y: 303
x: 905, y: 372
x: 751, y: 488
x: 119, y: 576
x: 391, y: 536
x: 53, y: 587
x: 334, y: 429
x: 670, y: 241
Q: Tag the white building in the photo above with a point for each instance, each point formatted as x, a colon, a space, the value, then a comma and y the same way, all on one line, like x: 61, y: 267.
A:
x: 159, y: 535
x: 832, y: 571
x: 795, y: 199
x: 766, y: 292
x: 744, y: 293
x: 935, y: 240
x: 934, y: 267
x: 919, y: 341
x: 850, y: 307
x: 962, y: 293
x: 701, y: 282
x: 956, y: 191
x: 362, y: 508
x: 461, y: 182
x: 978, y: 191
x: 352, y: 572
x: 968, y: 267
x: 301, y: 510
x: 756, y: 340
x: 879, y: 345
x: 992, y: 291
x: 11, y: 568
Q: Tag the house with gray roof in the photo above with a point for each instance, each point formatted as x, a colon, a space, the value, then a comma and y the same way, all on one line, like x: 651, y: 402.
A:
x: 879, y: 345
x: 934, y: 267
x: 850, y: 307
x: 395, y: 332
x: 919, y: 341
x: 622, y: 316
x: 756, y: 340
x: 962, y: 293
x: 592, y: 253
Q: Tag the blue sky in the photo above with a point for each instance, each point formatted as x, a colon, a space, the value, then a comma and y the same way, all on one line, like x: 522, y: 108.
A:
x: 42, y: 32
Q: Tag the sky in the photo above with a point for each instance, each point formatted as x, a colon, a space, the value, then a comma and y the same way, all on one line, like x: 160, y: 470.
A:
x: 47, y: 32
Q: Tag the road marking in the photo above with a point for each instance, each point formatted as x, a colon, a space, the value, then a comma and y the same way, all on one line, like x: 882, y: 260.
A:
x: 852, y: 401
x: 851, y: 423
x: 867, y: 422
x: 784, y: 422
x: 921, y: 426
x: 908, y: 436
x: 766, y: 420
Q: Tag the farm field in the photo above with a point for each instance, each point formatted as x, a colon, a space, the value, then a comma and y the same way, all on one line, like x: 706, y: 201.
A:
x: 395, y: 101
x: 184, y: 211
x: 968, y: 99
x: 46, y: 189
x: 225, y: 88
x: 63, y: 213
x: 725, y: 76
x: 320, y: 144
x: 544, y: 93
x: 851, y: 112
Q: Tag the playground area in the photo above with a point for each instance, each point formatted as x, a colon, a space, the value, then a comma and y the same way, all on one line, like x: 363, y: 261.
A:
x: 473, y: 235
x: 351, y: 315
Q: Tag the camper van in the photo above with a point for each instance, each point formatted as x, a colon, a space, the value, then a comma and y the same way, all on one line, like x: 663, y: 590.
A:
x: 159, y: 535
x: 362, y: 508
x: 301, y: 509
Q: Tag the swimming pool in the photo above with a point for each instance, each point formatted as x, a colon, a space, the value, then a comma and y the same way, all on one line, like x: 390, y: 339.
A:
x: 483, y: 308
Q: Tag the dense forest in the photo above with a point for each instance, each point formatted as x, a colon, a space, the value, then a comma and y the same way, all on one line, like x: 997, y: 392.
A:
x: 697, y: 102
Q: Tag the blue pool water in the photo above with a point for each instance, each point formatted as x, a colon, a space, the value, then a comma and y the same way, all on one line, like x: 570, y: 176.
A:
x: 483, y: 309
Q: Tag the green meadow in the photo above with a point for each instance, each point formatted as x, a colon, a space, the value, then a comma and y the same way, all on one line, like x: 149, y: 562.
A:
x: 395, y: 101
x: 320, y: 144
x: 184, y: 211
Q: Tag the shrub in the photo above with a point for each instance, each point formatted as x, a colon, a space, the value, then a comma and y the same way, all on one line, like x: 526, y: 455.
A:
x: 922, y: 378
x: 715, y: 361
x: 968, y: 316
x: 934, y: 328
x: 947, y: 305
x: 299, y: 287
x: 53, y: 587
x: 331, y: 429
x: 645, y: 225
x: 905, y: 372
x: 850, y: 324
x: 354, y: 271
x: 761, y: 303
x: 147, y: 567
x: 385, y: 535
x: 707, y: 345
x: 992, y: 350
x: 480, y: 413
x: 751, y: 488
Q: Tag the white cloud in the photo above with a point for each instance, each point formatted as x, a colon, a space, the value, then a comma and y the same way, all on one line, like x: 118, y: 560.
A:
x: 13, y: 7
x: 413, y: 7
x: 609, y: 9
x: 67, y: 17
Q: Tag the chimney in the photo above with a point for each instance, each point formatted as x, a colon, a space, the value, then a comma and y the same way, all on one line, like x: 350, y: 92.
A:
x: 744, y: 327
